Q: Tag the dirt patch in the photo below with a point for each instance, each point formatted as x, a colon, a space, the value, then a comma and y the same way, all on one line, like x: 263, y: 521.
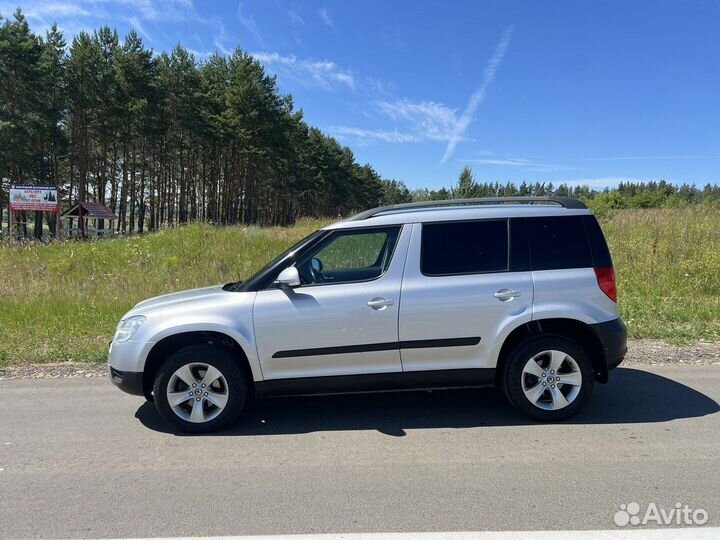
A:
x: 657, y: 352
x: 53, y: 371
x: 640, y: 352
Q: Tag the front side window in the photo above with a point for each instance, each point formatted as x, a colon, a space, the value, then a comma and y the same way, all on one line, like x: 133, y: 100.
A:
x: 348, y: 256
x: 464, y: 247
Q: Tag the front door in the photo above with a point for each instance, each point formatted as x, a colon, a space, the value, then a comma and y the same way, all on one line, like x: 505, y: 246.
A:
x: 343, y: 319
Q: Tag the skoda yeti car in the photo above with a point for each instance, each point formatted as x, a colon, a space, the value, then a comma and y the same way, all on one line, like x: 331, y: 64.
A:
x: 515, y: 292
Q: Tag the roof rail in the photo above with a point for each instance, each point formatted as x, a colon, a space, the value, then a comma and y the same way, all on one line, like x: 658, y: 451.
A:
x: 566, y: 202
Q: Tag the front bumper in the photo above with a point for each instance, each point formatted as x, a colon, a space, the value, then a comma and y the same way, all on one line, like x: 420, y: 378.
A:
x: 127, y: 381
x: 129, y: 355
x: 126, y: 363
x: 613, y: 337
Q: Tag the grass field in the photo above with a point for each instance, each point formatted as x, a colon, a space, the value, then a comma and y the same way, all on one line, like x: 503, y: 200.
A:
x: 62, y: 301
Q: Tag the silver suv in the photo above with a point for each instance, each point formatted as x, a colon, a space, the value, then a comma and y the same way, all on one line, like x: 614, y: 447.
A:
x: 452, y: 293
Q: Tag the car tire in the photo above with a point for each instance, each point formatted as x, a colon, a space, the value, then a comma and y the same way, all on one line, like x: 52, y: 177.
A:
x: 537, y: 390
x: 182, y: 400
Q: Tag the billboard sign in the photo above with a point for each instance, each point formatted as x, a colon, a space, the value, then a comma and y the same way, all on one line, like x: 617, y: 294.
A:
x: 35, y: 198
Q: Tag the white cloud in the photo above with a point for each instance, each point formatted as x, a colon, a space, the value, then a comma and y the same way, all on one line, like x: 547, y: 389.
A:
x: 433, y: 121
x: 77, y: 15
x: 59, y: 9
x: 526, y: 164
x: 479, y: 95
x: 220, y: 46
x: 295, y: 18
x: 325, y: 18
x: 42, y: 11
x: 417, y: 120
x: 633, y: 158
x: 428, y: 119
x: 139, y: 27
x: 220, y: 36
x: 248, y: 21
x: 152, y: 10
x: 198, y: 54
x: 322, y: 73
x: 373, y: 134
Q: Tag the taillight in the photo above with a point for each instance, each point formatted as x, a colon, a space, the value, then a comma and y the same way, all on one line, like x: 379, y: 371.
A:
x: 606, y: 281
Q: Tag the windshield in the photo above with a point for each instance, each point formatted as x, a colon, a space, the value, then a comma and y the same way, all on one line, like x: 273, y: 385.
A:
x: 257, y: 280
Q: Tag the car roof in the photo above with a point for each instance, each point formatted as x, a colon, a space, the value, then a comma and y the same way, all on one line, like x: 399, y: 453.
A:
x: 427, y: 214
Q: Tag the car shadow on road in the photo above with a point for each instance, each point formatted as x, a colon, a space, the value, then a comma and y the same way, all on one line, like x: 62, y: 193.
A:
x: 632, y: 396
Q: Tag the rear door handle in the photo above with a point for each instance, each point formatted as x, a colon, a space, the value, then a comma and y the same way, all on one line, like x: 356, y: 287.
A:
x: 380, y: 303
x: 505, y: 295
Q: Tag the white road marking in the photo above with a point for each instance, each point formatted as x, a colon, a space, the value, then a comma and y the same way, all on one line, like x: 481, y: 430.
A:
x: 694, y: 533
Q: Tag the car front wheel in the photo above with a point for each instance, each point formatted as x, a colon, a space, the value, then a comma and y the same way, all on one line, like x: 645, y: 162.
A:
x: 200, y: 388
x: 548, y: 378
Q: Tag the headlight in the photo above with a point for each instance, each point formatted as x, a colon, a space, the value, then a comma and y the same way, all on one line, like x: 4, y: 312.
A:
x: 128, y: 327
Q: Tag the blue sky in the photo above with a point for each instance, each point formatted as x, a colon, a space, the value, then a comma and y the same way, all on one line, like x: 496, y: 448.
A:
x: 565, y: 91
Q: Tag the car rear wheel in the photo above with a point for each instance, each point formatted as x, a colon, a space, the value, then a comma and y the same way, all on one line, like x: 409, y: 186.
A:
x: 548, y: 378
x: 200, y: 388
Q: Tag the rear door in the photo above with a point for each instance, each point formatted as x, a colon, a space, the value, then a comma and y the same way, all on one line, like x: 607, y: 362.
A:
x: 465, y: 283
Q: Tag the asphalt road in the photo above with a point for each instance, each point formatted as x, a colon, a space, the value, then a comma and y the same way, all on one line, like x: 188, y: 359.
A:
x: 80, y: 459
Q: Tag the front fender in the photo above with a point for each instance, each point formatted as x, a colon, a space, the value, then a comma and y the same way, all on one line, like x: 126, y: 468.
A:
x: 241, y: 333
x: 226, y: 313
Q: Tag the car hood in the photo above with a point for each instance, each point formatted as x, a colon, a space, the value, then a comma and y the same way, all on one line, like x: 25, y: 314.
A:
x: 173, y: 299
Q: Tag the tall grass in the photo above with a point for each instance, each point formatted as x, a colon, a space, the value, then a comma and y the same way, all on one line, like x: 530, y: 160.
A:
x: 668, y: 270
x: 62, y: 301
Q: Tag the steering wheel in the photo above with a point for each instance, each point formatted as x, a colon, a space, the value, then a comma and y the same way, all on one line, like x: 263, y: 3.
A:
x: 315, y: 267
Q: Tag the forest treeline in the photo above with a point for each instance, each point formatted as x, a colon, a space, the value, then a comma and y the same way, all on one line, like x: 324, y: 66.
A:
x: 163, y: 139
x: 650, y: 194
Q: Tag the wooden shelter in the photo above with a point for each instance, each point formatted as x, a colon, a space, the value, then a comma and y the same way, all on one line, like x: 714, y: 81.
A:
x: 91, y: 218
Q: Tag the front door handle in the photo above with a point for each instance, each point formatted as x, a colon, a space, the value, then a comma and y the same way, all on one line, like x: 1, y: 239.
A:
x: 380, y: 303
x: 505, y: 295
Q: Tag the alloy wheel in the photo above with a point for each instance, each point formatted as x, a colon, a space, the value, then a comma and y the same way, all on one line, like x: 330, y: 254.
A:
x: 197, y: 392
x: 551, y: 380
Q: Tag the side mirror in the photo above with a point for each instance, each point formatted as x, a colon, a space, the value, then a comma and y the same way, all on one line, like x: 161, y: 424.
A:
x: 288, y: 277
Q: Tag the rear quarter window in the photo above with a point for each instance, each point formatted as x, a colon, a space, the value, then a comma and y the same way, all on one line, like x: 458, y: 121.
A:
x: 598, y: 245
x: 558, y: 243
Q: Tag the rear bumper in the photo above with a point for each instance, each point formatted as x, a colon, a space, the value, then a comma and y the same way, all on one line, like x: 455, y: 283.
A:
x: 127, y: 381
x: 613, y: 337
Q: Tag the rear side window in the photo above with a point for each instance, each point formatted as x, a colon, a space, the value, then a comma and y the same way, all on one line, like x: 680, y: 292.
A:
x: 558, y: 242
x: 466, y: 247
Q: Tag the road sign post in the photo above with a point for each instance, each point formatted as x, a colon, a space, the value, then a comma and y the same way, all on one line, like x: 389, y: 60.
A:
x: 27, y: 197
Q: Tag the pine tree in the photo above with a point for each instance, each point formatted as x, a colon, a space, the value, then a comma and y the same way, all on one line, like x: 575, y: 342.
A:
x: 466, y: 187
x: 165, y: 140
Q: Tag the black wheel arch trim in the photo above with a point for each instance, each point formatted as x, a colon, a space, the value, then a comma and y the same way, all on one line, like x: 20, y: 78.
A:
x: 606, y: 341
